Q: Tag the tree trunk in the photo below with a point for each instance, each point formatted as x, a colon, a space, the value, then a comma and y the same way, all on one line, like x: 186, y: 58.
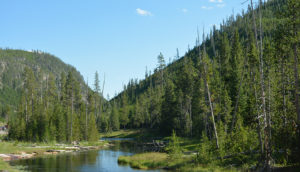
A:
x: 262, y: 87
x: 258, y: 122
x: 208, y: 91
x: 212, y: 113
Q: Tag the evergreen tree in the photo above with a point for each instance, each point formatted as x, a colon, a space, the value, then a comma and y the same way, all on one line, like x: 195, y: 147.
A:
x: 170, y: 112
x: 124, y: 120
x: 93, y: 132
x: 114, y: 118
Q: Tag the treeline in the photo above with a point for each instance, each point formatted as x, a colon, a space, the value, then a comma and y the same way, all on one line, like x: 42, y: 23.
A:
x: 238, y: 90
x: 54, y: 109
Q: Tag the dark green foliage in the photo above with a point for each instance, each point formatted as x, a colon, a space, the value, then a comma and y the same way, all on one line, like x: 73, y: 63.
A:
x: 114, y: 119
x: 93, y: 132
x: 175, y: 96
x: 124, y: 120
x: 219, y: 79
x: 12, y: 65
x: 170, y: 112
x: 205, y: 153
x: 51, y: 114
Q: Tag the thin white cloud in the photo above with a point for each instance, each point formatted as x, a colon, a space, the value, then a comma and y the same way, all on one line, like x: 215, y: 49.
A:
x: 216, y: 1
x: 143, y: 12
x: 220, y: 5
x: 206, y: 8
x: 184, y: 10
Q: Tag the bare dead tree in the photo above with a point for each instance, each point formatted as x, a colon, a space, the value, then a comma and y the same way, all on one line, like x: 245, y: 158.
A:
x: 262, y: 87
x: 207, y: 88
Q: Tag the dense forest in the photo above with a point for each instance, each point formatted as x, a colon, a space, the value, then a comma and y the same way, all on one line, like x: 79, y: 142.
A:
x: 57, y: 113
x: 12, y: 64
x: 237, y: 91
x: 44, y: 99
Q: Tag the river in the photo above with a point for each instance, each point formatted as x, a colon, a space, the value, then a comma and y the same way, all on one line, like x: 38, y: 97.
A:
x: 105, y: 160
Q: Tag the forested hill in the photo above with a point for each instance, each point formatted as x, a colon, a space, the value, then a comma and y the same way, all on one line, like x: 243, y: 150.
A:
x: 234, y: 38
x: 12, y: 65
x: 45, y: 99
x: 238, y: 90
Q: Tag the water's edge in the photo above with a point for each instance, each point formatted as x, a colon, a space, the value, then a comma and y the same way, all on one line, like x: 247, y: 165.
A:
x: 105, y: 159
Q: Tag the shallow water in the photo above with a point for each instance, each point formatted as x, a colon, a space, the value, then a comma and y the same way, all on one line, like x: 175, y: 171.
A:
x: 89, y: 161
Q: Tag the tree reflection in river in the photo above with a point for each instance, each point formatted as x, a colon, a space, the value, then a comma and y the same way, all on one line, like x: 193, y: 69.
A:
x: 88, y: 161
x: 63, y: 162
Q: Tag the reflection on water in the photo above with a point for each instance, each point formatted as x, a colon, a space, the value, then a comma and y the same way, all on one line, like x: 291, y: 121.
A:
x: 88, y: 161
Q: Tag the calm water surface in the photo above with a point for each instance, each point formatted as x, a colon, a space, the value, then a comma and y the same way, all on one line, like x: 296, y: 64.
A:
x: 89, y: 161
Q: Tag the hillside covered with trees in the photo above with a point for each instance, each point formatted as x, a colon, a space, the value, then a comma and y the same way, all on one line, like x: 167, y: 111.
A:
x: 12, y: 65
x: 44, y: 99
x: 237, y: 90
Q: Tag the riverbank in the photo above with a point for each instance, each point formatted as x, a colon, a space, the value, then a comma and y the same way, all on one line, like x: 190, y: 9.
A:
x: 193, y: 156
x: 158, y: 160
x: 23, y: 150
x: 186, y: 161
x: 132, y: 133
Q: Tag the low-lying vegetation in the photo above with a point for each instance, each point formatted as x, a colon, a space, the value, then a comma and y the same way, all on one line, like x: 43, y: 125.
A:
x: 145, y: 160
x: 131, y: 133
x: 157, y: 160
x: 7, y: 167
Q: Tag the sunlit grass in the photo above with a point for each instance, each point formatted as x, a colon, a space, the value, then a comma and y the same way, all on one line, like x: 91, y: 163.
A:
x: 145, y: 160
x: 17, y: 148
x: 203, y: 168
x: 120, y: 133
x: 155, y: 160
x: 131, y: 133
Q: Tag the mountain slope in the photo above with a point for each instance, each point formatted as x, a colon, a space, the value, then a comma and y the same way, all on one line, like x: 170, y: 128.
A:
x: 237, y: 90
x: 12, y: 64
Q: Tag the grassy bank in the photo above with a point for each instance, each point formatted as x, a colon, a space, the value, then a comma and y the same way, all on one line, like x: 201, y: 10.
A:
x: 145, y: 160
x: 156, y: 160
x: 187, y: 144
x: 189, y: 154
x: 186, y: 161
x: 132, y: 133
x: 16, y: 147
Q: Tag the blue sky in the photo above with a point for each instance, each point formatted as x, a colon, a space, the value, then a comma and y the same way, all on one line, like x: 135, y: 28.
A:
x: 116, y: 37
